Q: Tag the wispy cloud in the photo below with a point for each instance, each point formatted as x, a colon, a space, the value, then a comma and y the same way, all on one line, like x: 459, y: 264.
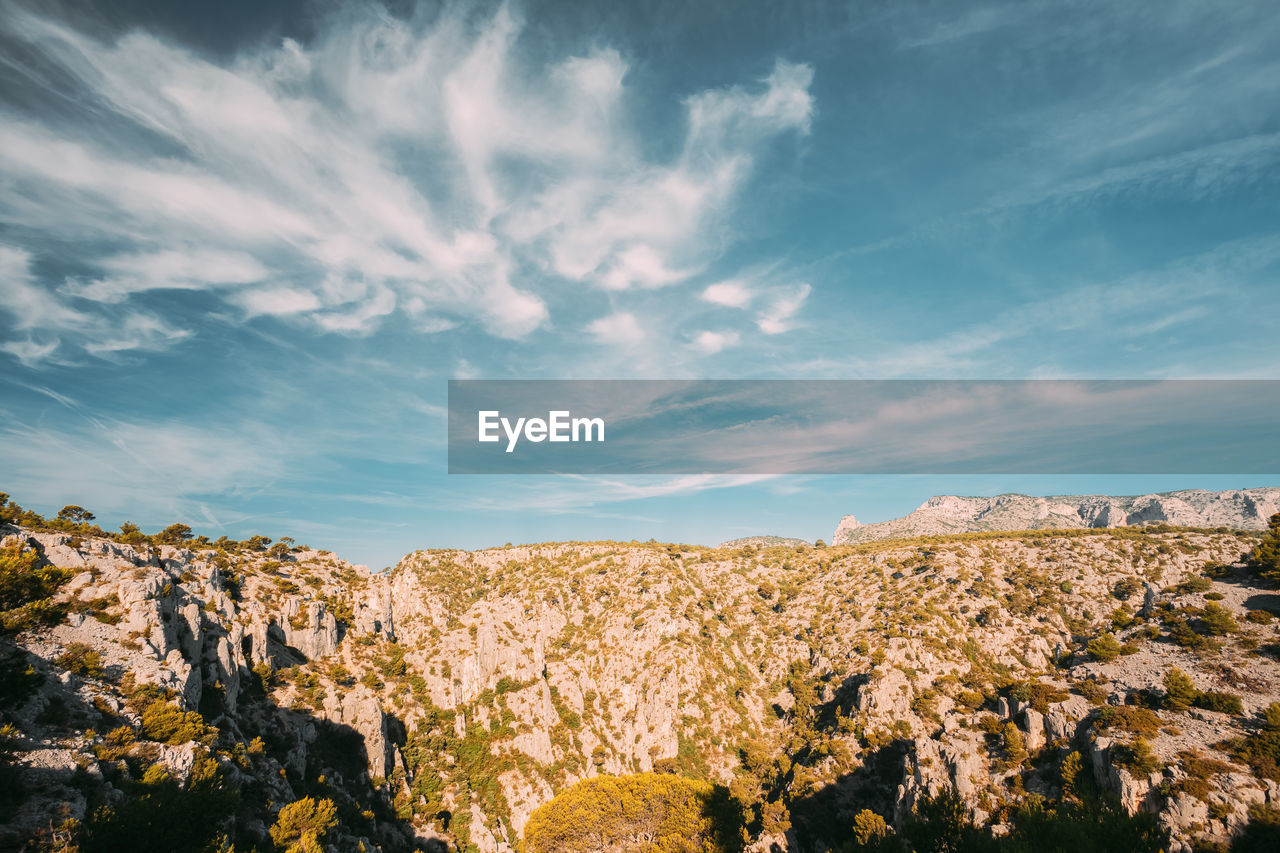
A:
x: 1130, y: 308
x: 441, y: 171
x: 621, y: 330
x: 779, y: 317
x: 40, y: 316
x: 712, y: 342
x: 731, y: 294
x: 143, y: 468
x: 573, y: 494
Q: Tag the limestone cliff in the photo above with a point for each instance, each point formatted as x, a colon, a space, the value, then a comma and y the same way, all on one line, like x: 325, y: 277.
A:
x: 1243, y: 509
x: 442, y: 702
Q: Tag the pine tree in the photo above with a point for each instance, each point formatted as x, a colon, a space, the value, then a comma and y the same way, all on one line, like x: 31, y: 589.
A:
x: 1265, y: 559
x: 1015, y: 748
x: 1179, y: 690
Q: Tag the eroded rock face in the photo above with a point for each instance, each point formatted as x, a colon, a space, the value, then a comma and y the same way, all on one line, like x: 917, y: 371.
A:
x: 362, y: 711
x: 566, y: 661
x: 310, y: 628
x: 932, y: 767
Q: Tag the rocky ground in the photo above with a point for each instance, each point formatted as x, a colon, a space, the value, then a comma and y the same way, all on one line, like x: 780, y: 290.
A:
x: 439, y: 704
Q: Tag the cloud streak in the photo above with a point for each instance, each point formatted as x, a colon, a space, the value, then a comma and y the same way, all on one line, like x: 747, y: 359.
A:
x: 439, y: 171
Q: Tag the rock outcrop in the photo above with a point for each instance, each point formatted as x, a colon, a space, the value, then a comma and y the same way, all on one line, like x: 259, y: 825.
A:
x: 1243, y: 509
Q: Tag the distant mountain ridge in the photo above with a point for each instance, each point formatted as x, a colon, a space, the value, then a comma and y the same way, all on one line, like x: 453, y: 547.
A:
x: 763, y: 541
x: 1242, y: 509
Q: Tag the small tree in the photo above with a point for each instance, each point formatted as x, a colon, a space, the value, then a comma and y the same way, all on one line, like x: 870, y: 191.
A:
x: 1217, y: 621
x: 1265, y: 559
x: 1015, y: 747
x: 1069, y: 771
x: 1104, y: 647
x: 174, y: 534
x: 1137, y: 757
x: 75, y: 514
x: 869, y: 830
x: 131, y: 534
x: 1271, y: 717
x: 1179, y: 690
x: 301, y: 825
x: 27, y: 586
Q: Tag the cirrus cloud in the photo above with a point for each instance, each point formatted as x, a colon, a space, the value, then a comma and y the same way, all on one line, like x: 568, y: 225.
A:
x: 443, y: 170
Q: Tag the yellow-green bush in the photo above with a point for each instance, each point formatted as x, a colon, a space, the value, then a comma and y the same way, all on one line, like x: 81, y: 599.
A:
x: 167, y: 723
x: 26, y: 589
x: 301, y: 825
x: 656, y: 812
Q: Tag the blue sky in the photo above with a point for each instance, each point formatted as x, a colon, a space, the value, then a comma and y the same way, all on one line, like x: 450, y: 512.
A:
x: 243, y: 248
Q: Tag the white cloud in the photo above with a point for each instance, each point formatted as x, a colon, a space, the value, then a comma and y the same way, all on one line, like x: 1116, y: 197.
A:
x: 167, y: 269
x: 584, y: 492
x: 45, y: 320
x: 280, y: 301
x: 731, y: 294
x: 620, y: 330
x: 386, y: 166
x: 30, y: 352
x: 779, y: 316
x: 713, y: 342
x: 145, y: 468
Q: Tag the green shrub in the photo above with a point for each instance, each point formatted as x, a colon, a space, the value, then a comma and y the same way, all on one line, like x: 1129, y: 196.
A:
x: 26, y: 589
x: 1261, y: 750
x: 303, y: 824
x: 870, y: 832
x: 1090, y: 822
x: 1217, y: 621
x: 1015, y: 748
x: 157, y: 815
x: 1128, y: 718
x: 174, y: 534
x: 82, y: 660
x: 1180, y: 692
x: 1104, y: 648
x: 1264, y: 560
x: 1224, y: 703
x: 942, y: 825
x: 1091, y: 690
x: 167, y: 723
x: 18, y: 680
x: 1127, y: 588
x: 651, y: 811
x: 1137, y: 757
x: 1194, y: 585
x: 1181, y: 634
x: 1039, y: 694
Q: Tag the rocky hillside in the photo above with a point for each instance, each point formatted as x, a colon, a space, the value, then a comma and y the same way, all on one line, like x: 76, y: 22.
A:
x: 286, y: 697
x: 1244, y: 509
x: 763, y: 542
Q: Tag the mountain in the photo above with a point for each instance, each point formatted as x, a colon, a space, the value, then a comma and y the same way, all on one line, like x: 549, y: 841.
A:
x: 1243, y: 509
x: 162, y: 696
x: 764, y: 542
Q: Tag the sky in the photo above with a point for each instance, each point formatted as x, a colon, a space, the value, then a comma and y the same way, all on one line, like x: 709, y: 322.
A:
x: 243, y: 246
